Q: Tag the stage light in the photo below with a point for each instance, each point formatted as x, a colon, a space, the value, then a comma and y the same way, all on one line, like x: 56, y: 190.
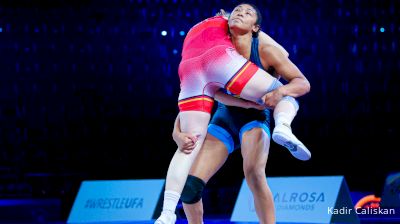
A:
x: 164, y: 33
x: 382, y: 29
x: 1, y: 30
x: 175, y: 51
x: 182, y: 33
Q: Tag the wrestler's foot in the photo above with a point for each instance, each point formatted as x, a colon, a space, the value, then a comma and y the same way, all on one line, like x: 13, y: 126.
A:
x: 166, y: 218
x: 283, y: 135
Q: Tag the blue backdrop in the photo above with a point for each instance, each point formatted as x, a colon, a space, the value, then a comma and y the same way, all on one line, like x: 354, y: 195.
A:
x: 88, y: 90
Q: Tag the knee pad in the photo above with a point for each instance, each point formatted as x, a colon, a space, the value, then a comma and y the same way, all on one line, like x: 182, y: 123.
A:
x: 293, y: 101
x: 193, y: 190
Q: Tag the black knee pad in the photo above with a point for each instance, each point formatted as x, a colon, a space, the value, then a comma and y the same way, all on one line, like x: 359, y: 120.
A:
x: 193, y: 190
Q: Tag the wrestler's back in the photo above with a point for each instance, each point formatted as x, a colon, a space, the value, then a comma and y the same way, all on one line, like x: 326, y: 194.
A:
x: 205, y: 35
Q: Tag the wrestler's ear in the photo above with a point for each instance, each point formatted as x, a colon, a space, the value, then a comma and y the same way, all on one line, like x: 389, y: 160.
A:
x: 256, y: 28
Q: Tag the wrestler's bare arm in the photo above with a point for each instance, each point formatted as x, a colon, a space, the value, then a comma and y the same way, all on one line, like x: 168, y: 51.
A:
x: 298, y: 84
x: 229, y: 100
x: 265, y: 40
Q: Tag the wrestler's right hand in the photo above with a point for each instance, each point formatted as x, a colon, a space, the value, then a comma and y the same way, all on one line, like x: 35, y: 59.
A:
x: 186, y: 142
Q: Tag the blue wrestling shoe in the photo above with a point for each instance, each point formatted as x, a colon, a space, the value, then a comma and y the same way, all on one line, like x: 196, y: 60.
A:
x: 283, y: 136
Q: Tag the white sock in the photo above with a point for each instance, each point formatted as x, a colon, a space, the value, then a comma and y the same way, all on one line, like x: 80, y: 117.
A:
x: 283, y: 118
x: 171, y: 199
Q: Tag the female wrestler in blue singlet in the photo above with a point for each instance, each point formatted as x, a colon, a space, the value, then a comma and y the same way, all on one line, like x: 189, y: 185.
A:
x: 208, y: 58
x: 235, y: 127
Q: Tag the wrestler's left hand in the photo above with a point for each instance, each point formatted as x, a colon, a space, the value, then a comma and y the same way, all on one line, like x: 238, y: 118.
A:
x: 271, y: 99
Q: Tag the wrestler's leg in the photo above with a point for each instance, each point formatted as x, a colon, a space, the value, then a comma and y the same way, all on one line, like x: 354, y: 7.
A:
x: 260, y: 84
x: 244, y: 78
x: 284, y: 113
x: 211, y: 157
x: 194, y: 122
x: 255, y: 149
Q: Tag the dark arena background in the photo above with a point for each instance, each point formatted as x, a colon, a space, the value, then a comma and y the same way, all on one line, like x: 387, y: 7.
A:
x: 88, y: 91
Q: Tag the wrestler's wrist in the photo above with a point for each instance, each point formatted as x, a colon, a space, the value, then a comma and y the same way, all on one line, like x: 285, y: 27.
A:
x: 248, y: 104
x: 282, y: 91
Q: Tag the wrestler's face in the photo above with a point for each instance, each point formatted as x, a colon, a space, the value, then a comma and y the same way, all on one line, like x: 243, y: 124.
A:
x: 243, y: 18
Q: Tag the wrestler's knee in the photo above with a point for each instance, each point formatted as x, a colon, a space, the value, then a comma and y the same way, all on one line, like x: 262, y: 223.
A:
x: 193, y: 190
x: 254, y: 173
x: 254, y: 135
